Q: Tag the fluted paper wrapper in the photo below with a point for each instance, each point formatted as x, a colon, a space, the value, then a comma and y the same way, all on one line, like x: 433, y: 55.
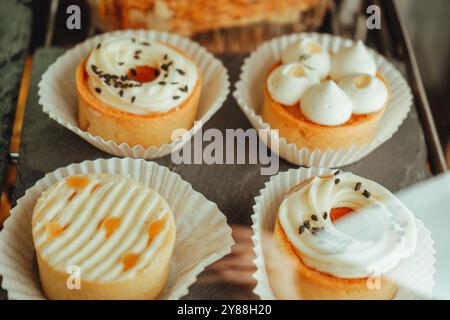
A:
x: 203, y: 235
x: 58, y: 92
x: 250, y: 97
x: 414, y: 275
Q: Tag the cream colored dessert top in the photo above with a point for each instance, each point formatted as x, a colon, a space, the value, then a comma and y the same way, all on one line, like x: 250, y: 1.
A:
x: 329, y: 88
x: 140, y: 76
x: 371, y: 240
x: 108, y: 225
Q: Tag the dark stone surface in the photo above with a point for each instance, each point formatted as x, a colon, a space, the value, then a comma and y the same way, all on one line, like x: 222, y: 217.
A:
x: 398, y: 163
x: 15, y: 19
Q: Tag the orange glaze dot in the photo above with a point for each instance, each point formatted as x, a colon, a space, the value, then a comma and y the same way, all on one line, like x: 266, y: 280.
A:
x: 143, y: 74
x: 155, y: 228
x: 111, y: 224
x: 78, y: 182
x: 94, y: 188
x: 129, y: 261
x: 337, y: 213
x: 54, y: 230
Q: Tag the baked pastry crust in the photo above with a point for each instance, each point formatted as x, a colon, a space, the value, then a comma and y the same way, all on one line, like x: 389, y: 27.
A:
x: 155, y: 129
x: 296, y: 129
x: 315, y: 285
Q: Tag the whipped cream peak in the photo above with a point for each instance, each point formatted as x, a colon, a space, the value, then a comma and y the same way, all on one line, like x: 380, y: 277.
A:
x: 114, y: 69
x: 288, y: 82
x: 309, y: 53
x: 378, y: 233
x: 367, y: 93
x: 352, y: 60
x: 326, y: 104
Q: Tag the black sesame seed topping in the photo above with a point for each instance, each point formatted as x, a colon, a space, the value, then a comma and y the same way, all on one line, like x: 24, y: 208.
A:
x: 121, y: 63
x: 174, y: 83
x: 163, y: 83
x: 133, y: 39
x: 337, y: 172
x: 301, y: 229
x: 137, y: 52
x: 175, y: 97
x: 165, y: 56
x: 181, y: 72
x: 136, y: 57
x: 133, y: 72
x: 366, y: 194
x: 307, y: 224
x: 314, y: 217
x: 184, y: 89
x: 145, y: 44
x: 316, y: 229
x: 337, y: 181
x: 156, y: 72
x: 99, y: 45
x: 358, y: 186
x: 133, y: 99
x: 98, y: 90
x: 325, y: 215
x: 121, y: 93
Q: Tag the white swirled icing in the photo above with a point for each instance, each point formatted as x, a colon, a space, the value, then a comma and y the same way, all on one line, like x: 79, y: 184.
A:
x: 73, y: 225
x: 378, y: 235
x: 326, y: 104
x: 116, y: 56
x: 311, y: 54
x: 288, y: 82
x: 352, y: 60
x: 367, y: 93
x: 302, y: 78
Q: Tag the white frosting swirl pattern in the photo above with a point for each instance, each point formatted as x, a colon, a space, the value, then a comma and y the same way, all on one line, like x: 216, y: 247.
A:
x: 375, y: 238
x: 108, y: 68
x: 305, y: 63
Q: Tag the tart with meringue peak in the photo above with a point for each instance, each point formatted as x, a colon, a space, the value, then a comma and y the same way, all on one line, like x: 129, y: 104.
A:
x: 345, y: 234
x: 102, y: 236
x: 137, y: 91
x: 322, y: 100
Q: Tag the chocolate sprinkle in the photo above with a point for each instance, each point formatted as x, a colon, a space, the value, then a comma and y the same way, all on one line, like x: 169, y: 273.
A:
x: 358, y: 186
x: 337, y: 172
x: 314, y: 217
x: 301, y: 229
x: 325, y: 215
x: 337, y: 181
x: 366, y: 194
x: 98, y: 90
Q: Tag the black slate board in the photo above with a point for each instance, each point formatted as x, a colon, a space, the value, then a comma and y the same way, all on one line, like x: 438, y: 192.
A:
x: 15, y: 20
x: 46, y: 146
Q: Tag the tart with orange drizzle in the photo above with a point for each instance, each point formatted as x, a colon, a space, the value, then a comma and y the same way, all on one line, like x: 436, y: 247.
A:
x: 102, y: 236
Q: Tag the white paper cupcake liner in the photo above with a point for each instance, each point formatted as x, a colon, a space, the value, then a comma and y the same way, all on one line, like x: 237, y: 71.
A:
x: 58, y: 93
x: 249, y: 95
x: 414, y: 275
x: 203, y: 235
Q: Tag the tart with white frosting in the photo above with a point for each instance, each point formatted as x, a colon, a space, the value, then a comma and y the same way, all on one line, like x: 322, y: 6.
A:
x: 345, y: 233
x: 322, y: 100
x: 137, y: 91
x: 114, y: 234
